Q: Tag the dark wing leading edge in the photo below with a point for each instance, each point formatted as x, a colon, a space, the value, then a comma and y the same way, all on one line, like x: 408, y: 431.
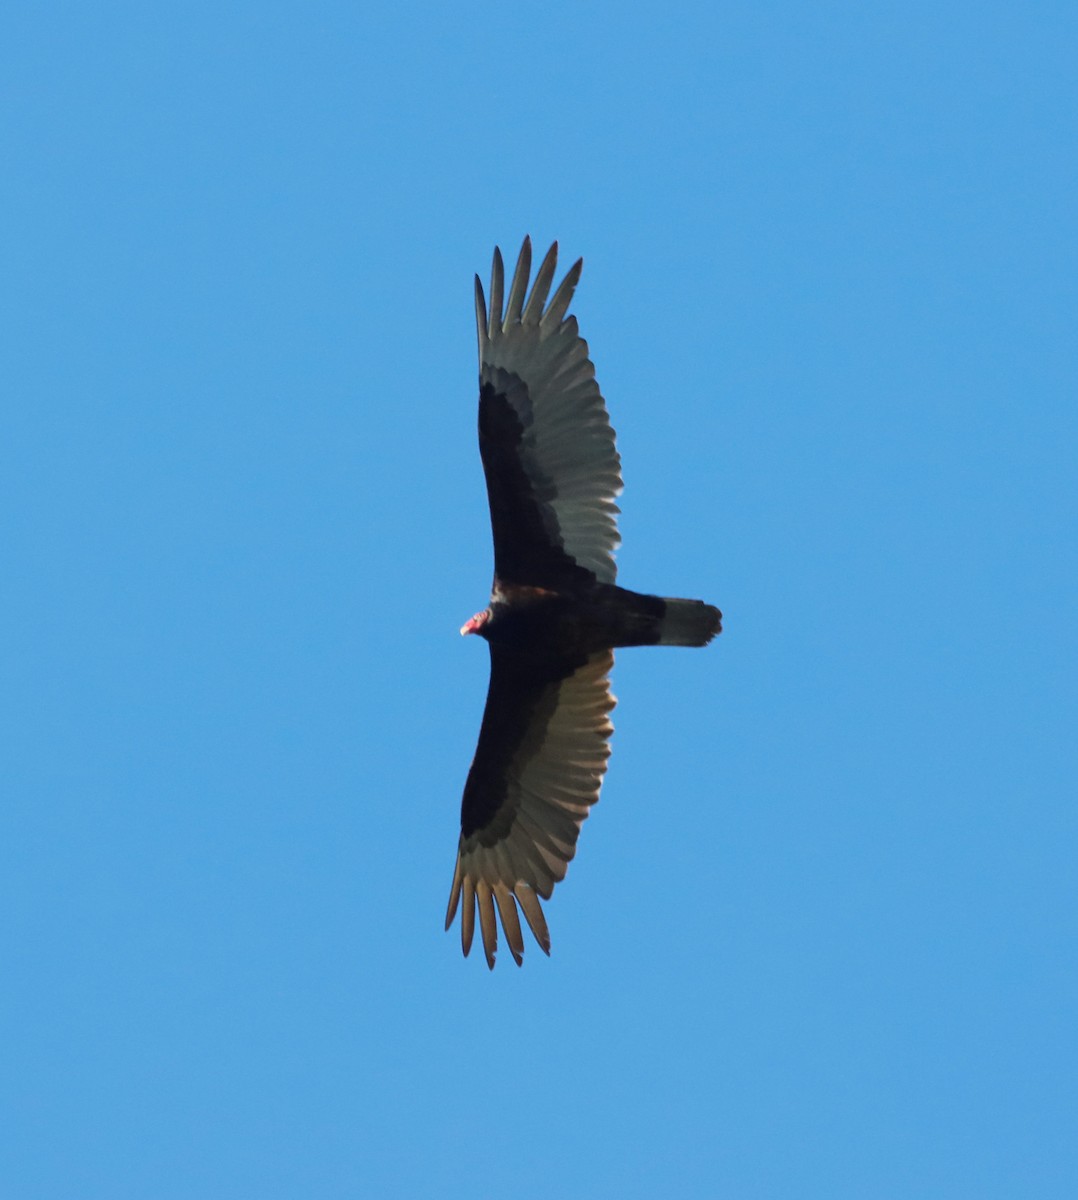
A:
x: 544, y: 434
x: 540, y: 761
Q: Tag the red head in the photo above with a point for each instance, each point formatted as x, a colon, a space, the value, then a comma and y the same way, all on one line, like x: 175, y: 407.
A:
x: 476, y: 623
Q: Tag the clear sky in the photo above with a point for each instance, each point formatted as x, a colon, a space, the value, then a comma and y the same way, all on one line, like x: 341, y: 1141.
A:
x: 820, y: 936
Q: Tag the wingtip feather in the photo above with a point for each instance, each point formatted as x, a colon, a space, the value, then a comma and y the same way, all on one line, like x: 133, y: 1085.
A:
x: 563, y: 297
x: 454, y: 894
x: 533, y: 311
x: 514, y: 305
x: 497, y: 289
x: 533, y: 914
x: 467, y: 917
x: 507, y: 910
x: 480, y: 315
x: 487, y: 923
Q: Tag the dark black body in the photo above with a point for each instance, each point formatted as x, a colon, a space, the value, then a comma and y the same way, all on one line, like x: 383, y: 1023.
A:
x: 597, y: 616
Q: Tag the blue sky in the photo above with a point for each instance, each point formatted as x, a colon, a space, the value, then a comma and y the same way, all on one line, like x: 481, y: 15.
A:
x: 819, y: 939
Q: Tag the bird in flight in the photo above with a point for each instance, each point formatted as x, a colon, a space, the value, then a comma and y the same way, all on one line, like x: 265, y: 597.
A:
x: 555, y: 614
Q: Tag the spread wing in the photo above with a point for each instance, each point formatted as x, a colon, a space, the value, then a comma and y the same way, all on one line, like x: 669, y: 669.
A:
x: 548, y: 451
x: 538, y: 767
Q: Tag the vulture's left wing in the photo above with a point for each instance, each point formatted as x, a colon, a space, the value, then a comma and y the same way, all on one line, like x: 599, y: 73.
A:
x: 552, y: 468
x: 537, y: 770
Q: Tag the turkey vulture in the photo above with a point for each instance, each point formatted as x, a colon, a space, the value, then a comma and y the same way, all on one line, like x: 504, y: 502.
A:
x: 555, y: 613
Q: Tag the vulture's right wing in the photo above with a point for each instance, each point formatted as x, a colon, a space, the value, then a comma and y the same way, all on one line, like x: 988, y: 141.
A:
x: 537, y: 770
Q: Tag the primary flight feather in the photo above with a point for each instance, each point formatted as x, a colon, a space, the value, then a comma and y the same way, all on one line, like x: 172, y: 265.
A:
x: 555, y: 613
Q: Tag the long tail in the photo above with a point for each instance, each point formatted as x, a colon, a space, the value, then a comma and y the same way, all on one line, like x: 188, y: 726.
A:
x: 688, y: 623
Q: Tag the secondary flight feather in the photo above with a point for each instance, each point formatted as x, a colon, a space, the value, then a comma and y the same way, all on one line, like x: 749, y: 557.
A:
x: 555, y: 615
